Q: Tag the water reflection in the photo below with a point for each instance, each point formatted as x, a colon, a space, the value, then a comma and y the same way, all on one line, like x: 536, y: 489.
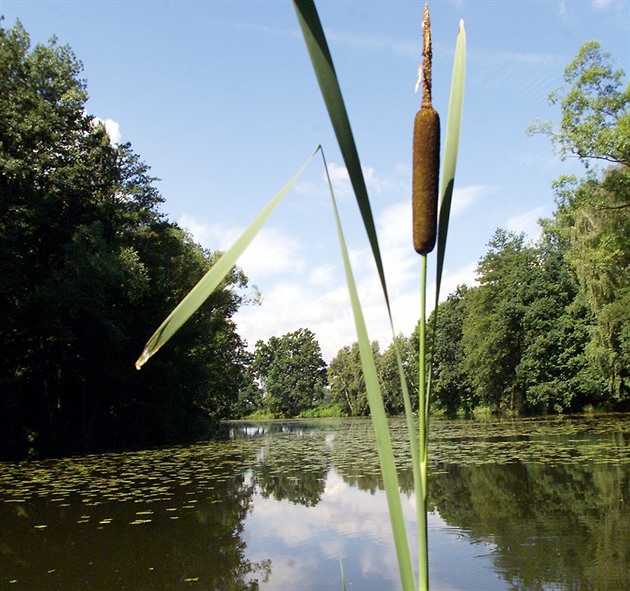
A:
x: 155, y: 520
x: 565, y: 525
x: 518, y: 505
x: 542, y: 504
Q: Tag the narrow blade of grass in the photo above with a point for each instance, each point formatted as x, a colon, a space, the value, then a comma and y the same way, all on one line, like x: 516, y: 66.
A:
x: 451, y: 148
x: 206, y: 285
x: 377, y: 413
x: 331, y: 91
x: 343, y: 577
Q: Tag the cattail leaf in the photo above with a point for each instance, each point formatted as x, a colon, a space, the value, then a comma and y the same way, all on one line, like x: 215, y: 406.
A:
x: 451, y: 147
x: 331, y: 92
x: 449, y: 163
x: 378, y: 415
x: 208, y: 283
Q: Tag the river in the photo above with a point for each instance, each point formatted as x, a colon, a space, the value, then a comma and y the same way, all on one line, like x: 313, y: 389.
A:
x: 536, y: 504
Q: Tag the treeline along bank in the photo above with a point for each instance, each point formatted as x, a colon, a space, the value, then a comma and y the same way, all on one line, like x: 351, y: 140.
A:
x: 90, y: 266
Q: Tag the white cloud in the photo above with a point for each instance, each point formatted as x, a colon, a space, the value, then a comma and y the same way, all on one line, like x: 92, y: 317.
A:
x: 464, y: 197
x: 112, y: 128
x: 341, y: 180
x: 201, y: 232
x: 272, y: 252
x: 465, y: 275
x: 602, y: 4
x: 288, y: 306
x: 298, y: 294
x: 322, y: 275
x: 527, y: 222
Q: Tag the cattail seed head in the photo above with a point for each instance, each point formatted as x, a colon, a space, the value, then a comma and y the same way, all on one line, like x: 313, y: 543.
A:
x: 425, y: 178
x: 426, y: 155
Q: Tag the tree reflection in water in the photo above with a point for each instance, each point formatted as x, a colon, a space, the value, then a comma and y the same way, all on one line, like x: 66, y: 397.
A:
x: 551, y: 505
x: 518, y: 505
x: 169, y: 519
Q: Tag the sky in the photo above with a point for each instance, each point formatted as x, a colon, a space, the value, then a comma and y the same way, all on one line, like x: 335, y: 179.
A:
x: 220, y: 100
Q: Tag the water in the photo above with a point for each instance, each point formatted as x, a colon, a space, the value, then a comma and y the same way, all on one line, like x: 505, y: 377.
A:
x: 526, y: 504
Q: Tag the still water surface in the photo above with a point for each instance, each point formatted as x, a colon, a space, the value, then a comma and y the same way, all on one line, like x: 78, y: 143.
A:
x: 525, y: 504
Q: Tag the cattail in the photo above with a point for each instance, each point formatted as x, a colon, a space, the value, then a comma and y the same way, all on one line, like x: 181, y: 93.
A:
x: 426, y: 156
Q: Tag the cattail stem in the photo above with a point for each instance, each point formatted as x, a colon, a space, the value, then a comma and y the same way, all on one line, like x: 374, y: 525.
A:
x: 423, y: 426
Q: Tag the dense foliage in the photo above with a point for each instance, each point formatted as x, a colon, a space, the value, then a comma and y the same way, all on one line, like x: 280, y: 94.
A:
x: 89, y: 267
x: 291, y: 373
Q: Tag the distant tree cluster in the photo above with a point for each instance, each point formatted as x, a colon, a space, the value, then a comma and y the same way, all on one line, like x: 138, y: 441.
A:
x: 287, y: 375
x: 347, y: 386
x: 548, y: 327
x: 89, y: 268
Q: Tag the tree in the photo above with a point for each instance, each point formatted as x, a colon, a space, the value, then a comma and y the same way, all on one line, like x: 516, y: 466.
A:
x: 452, y: 388
x: 347, y: 384
x: 90, y: 267
x: 593, y: 220
x: 493, y: 330
x: 291, y: 372
x: 389, y: 374
x: 250, y: 395
x: 595, y: 123
x: 526, y: 330
x: 592, y: 216
x: 554, y: 372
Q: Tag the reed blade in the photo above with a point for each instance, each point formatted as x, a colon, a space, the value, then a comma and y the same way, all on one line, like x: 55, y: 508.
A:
x: 331, y: 92
x: 378, y: 415
x: 208, y: 283
x: 451, y: 148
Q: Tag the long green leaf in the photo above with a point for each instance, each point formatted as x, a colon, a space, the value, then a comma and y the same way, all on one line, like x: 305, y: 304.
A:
x: 451, y: 148
x: 377, y: 413
x: 447, y: 181
x: 331, y: 91
x: 206, y: 285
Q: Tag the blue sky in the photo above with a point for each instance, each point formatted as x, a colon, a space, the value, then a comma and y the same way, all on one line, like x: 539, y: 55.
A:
x: 219, y: 98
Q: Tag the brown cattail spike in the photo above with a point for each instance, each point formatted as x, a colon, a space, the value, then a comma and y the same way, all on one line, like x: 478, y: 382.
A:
x: 426, y: 157
x: 427, y: 58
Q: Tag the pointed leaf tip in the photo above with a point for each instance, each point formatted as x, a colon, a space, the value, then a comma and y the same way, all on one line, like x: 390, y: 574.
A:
x: 142, y: 359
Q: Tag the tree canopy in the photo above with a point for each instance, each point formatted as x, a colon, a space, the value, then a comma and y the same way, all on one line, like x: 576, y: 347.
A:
x: 89, y: 266
x: 291, y: 372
